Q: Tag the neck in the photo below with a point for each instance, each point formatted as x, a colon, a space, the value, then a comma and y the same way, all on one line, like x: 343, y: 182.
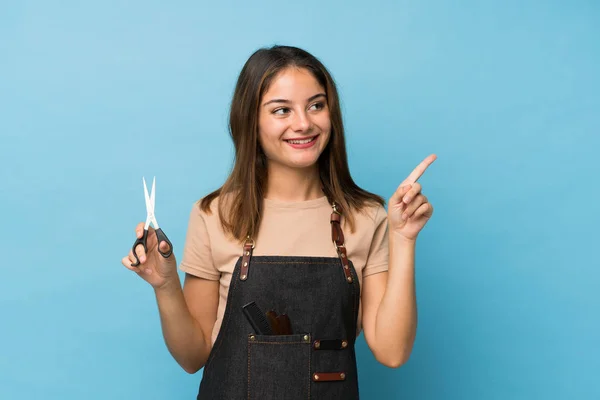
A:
x: 293, y: 184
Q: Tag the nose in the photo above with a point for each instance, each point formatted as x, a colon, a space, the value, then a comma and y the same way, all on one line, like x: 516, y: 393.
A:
x: 301, y: 122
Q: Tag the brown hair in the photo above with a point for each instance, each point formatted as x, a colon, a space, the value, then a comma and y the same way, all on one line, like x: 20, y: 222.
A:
x: 246, y: 184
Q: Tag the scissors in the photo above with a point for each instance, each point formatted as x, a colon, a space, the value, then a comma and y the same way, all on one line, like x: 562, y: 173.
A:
x: 150, y: 218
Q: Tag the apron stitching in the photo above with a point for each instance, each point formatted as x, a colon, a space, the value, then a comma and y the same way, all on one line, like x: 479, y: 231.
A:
x: 292, y: 262
x: 225, y: 320
x: 309, y: 364
x: 278, y: 342
x: 249, y: 345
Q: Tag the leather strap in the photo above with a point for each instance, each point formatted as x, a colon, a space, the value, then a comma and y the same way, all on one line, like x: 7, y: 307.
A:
x: 330, y: 344
x: 248, y: 247
x: 337, y: 235
x: 328, y: 376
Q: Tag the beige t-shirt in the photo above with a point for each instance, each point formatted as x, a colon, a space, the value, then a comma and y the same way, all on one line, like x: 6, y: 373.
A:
x: 210, y: 254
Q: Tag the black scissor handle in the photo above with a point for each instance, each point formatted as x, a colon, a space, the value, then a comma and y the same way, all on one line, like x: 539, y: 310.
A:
x: 161, y: 237
x: 143, y: 240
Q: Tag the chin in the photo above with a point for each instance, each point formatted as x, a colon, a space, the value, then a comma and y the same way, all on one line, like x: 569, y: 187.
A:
x: 301, y: 164
x: 295, y: 160
x: 308, y: 161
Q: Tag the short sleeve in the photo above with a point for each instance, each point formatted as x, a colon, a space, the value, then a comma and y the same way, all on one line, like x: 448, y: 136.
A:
x: 197, y: 257
x: 378, y: 257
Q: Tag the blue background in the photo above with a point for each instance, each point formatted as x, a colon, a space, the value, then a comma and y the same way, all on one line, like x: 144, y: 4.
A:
x: 95, y: 95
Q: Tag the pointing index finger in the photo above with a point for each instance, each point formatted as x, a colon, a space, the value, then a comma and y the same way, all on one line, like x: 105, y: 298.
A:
x: 418, y: 172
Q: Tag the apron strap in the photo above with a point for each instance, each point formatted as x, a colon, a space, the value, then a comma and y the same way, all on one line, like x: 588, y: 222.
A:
x: 337, y: 235
x: 248, y: 246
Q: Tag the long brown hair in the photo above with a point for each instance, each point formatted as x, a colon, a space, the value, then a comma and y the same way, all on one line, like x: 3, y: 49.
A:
x: 241, y: 214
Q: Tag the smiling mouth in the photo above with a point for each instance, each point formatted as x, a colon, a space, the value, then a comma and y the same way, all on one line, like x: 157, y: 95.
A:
x: 302, y: 141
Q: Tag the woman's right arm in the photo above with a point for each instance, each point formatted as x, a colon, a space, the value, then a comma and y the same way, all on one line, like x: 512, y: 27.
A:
x: 187, y: 318
x: 187, y: 314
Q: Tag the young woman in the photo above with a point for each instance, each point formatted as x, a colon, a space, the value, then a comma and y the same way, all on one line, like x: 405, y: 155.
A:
x: 290, y: 237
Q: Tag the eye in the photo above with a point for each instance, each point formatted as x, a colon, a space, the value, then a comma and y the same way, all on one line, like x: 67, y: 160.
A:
x: 281, y: 111
x: 318, y: 106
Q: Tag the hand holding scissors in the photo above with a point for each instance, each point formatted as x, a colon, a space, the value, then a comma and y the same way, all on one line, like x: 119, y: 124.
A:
x: 150, y: 218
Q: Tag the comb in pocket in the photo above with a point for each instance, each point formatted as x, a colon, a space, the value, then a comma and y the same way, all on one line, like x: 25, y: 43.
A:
x: 257, y: 319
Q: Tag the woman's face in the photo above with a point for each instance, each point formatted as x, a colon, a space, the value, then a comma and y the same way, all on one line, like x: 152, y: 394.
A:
x: 293, y: 124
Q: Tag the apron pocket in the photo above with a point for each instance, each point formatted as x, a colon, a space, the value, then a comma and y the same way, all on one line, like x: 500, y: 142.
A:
x: 279, y: 366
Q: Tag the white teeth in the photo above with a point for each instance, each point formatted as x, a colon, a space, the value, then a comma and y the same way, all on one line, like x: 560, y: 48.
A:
x: 301, y: 141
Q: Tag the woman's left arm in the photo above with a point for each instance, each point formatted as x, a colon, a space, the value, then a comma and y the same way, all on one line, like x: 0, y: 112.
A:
x: 388, y: 298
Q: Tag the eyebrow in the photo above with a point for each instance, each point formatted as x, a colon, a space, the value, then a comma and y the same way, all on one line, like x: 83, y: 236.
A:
x: 287, y: 101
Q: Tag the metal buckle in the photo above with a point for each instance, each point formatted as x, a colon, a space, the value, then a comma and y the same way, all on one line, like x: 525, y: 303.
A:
x: 335, y: 210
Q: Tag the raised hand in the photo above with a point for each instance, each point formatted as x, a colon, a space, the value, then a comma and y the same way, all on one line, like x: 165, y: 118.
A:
x: 408, y: 208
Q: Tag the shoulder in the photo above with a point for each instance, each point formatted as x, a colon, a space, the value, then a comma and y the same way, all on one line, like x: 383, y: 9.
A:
x: 371, y: 213
x: 208, y: 206
x: 203, y: 212
x: 212, y: 211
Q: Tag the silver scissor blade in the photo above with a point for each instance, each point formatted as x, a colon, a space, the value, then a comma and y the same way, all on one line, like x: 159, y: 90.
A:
x: 149, y: 209
x: 152, y: 203
x: 152, y: 198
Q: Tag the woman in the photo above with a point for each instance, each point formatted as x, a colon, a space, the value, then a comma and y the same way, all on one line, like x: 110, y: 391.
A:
x: 290, y: 236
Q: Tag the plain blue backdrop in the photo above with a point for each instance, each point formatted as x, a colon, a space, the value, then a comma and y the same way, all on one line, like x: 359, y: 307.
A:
x: 94, y: 95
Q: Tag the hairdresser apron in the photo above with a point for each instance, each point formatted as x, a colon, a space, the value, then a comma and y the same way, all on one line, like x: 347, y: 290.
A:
x: 320, y: 295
